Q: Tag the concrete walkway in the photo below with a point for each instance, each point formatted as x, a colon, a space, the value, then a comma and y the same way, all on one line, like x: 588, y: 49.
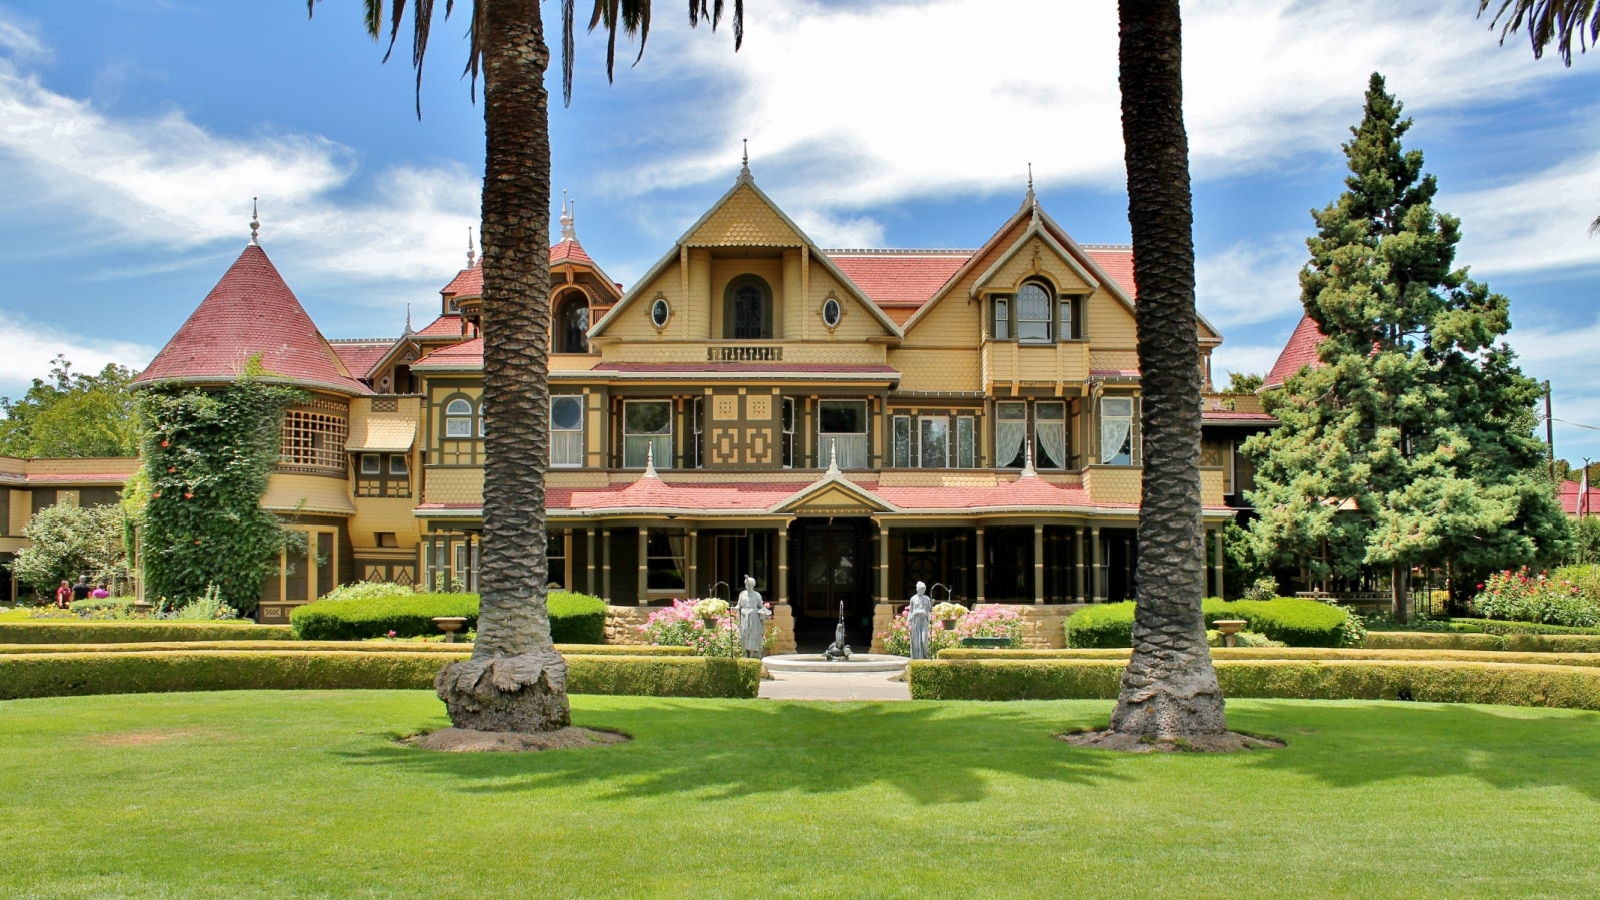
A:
x: 834, y: 686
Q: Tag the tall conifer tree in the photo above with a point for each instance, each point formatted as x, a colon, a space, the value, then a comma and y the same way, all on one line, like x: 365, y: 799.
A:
x: 1412, y: 443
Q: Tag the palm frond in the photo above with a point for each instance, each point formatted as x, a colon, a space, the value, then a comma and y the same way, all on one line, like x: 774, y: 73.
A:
x: 421, y: 26
x: 1548, y: 21
x: 632, y: 18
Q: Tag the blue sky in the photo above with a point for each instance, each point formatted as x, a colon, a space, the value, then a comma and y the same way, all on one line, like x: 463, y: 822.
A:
x: 133, y: 134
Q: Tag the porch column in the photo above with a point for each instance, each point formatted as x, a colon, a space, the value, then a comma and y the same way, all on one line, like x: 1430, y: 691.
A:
x: 1221, y: 562
x: 883, y: 563
x: 1038, y: 562
x: 781, y: 589
x: 981, y: 578
x: 591, y: 581
x: 1097, y: 573
x: 644, y: 566
x: 605, y: 566
x: 692, y: 552
x: 1078, y: 596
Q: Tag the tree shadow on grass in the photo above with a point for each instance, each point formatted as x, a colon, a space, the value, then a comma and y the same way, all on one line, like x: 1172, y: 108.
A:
x: 1353, y: 744
x: 931, y: 753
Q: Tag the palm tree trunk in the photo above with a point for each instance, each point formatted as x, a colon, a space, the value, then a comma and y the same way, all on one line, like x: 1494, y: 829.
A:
x: 1169, y: 687
x: 515, y: 681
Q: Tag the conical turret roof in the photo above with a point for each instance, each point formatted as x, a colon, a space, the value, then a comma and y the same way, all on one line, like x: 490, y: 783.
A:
x: 251, y: 313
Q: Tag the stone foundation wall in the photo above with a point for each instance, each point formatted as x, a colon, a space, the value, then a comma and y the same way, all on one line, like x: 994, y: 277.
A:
x: 622, y: 624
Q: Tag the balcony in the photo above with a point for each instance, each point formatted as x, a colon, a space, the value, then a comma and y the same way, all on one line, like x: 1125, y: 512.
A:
x: 1012, y: 364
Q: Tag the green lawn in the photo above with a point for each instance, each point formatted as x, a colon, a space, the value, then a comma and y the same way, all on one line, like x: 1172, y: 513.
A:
x: 305, y: 794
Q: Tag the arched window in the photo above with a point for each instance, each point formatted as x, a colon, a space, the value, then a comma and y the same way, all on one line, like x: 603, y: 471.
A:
x: 572, y: 323
x: 747, y: 309
x: 458, y: 418
x: 1035, y: 312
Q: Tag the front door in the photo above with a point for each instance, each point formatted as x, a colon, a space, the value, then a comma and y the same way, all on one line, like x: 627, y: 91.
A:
x: 835, y: 568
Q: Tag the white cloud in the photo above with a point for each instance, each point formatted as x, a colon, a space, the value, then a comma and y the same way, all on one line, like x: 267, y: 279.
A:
x: 1536, y: 223
x: 847, y: 107
x: 1250, y: 282
x: 1254, y: 359
x: 20, y: 37
x: 31, y: 346
x: 169, y: 184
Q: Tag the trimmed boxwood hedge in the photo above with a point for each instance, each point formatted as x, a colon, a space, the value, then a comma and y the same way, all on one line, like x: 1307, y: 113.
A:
x: 66, y: 631
x: 1522, y: 643
x: 77, y: 674
x: 1591, y: 660
x: 1570, y: 687
x: 1296, y: 622
x: 574, y: 618
x: 1496, y: 626
x: 350, y: 646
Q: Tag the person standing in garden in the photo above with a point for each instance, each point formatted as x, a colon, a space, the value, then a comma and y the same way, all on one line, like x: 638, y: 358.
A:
x: 80, y: 591
x: 63, y: 594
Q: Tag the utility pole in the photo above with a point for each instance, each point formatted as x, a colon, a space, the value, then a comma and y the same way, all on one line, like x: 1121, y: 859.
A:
x: 1549, y: 431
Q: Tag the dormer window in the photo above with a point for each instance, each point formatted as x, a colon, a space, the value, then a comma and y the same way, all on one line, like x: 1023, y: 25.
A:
x: 572, y: 323
x: 747, y: 309
x: 1035, y: 312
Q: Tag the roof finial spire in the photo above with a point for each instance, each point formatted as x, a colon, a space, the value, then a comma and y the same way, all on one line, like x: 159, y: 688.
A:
x: 1028, y: 470
x: 569, y: 218
x: 744, y: 166
x: 472, y: 257
x: 650, y: 461
x: 255, y: 223
x: 408, y: 318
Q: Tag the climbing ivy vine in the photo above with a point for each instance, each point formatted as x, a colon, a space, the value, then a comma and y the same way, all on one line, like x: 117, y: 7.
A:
x: 207, y: 457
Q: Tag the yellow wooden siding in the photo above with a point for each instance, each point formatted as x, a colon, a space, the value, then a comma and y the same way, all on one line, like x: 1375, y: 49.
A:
x: 1120, y: 360
x: 1111, y: 325
x: 375, y: 515
x: 1113, y: 484
x: 21, y: 512
x: 1036, y: 257
x: 1211, y: 487
x: 454, y: 486
x: 724, y: 271
x: 310, y: 494
x: 1007, y: 363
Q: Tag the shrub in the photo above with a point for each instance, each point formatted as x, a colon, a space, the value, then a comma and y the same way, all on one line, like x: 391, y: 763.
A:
x: 1265, y: 588
x: 76, y: 631
x: 574, y: 618
x: 206, y: 608
x: 1303, y: 654
x: 985, y: 621
x: 77, y: 674
x: 369, y: 590
x: 114, y: 604
x: 1297, y: 623
x: 1216, y: 638
x: 1524, y: 643
x: 1569, y: 596
x: 1495, y: 626
x: 66, y: 541
x: 1571, y: 687
x: 313, y: 646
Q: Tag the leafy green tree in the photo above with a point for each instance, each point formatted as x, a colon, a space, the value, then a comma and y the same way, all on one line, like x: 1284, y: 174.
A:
x: 67, y: 541
x: 72, y: 414
x: 1412, y: 442
x: 1244, y: 382
x: 516, y: 680
x: 1169, y: 687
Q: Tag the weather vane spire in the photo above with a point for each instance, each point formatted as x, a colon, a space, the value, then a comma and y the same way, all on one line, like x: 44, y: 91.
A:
x: 255, y: 223
x: 569, y: 218
x: 744, y: 165
x: 472, y: 255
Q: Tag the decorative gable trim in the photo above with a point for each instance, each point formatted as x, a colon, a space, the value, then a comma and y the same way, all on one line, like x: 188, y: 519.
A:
x: 1035, y: 229
x: 834, y: 495
x: 683, y: 243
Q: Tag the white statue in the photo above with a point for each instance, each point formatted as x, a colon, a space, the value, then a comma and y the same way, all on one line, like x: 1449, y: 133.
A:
x: 919, y: 617
x: 753, y: 615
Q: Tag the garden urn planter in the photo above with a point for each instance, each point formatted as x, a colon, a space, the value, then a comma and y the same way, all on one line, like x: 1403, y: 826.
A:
x: 709, y: 622
x: 449, y: 625
x: 949, y: 624
x: 142, y: 608
x: 1229, y: 628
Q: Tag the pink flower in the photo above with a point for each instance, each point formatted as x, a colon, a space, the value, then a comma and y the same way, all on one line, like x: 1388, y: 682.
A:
x: 391, y: 632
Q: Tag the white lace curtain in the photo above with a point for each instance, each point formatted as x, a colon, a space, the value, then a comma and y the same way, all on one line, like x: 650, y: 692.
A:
x: 1116, y: 425
x: 1053, y: 440
x: 1009, y: 436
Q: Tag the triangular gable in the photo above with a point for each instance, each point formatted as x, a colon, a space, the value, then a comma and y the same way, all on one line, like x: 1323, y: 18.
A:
x: 833, y: 495
x: 1034, y: 230
x: 764, y: 224
x: 1074, y: 253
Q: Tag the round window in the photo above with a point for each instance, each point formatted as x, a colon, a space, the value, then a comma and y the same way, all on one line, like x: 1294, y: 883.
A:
x: 660, y: 312
x: 566, y: 413
x: 831, y: 312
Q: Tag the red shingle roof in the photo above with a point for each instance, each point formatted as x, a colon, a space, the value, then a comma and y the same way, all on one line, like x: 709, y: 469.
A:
x: 1117, y: 262
x: 467, y: 283
x: 444, y: 326
x: 251, y: 312
x: 570, y: 251
x: 1301, y: 351
x: 899, y: 278
x: 1569, y: 498
x: 360, y: 356
x: 466, y: 354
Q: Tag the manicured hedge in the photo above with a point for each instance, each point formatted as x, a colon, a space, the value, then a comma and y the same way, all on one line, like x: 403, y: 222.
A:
x: 76, y: 674
x: 1298, y: 623
x: 349, y: 646
x: 1495, y: 626
x: 1522, y: 643
x: 574, y: 618
x: 1570, y: 687
x: 1303, y: 654
x: 66, y: 631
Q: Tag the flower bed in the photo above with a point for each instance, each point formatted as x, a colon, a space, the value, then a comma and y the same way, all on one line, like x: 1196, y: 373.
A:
x: 685, y: 624
x: 985, y: 621
x: 1567, y: 597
